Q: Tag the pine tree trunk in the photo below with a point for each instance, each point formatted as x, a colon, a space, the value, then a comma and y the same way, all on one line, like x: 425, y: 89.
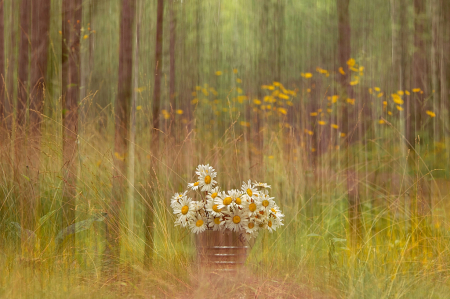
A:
x: 148, y: 255
x: 344, y: 54
x: 173, y: 30
x: 40, y: 16
x: 121, y: 136
x: 71, y: 25
x: 21, y: 173
x: 2, y: 79
x: 10, y: 82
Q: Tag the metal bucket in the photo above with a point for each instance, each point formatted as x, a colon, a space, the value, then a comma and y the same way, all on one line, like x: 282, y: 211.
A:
x: 221, y: 251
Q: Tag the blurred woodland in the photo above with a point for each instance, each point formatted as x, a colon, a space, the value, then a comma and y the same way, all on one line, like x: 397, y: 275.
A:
x: 106, y: 108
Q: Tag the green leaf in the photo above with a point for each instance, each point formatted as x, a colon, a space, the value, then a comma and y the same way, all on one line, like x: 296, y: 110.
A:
x: 313, y: 235
x: 339, y: 240
x: 78, y: 227
x: 44, y: 218
x: 28, y: 179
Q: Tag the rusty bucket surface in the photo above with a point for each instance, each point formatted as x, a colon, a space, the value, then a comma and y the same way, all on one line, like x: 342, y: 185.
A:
x: 221, y: 251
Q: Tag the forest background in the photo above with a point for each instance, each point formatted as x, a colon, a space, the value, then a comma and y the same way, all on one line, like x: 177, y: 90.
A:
x: 106, y: 108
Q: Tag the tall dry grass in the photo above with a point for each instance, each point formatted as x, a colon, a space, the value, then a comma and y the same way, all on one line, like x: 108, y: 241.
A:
x: 404, y: 241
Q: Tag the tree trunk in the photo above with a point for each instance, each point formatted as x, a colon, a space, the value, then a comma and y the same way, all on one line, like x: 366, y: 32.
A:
x: 419, y: 72
x: 148, y: 256
x: 8, y: 108
x: 131, y: 161
x: 2, y: 78
x: 71, y: 25
x: 27, y: 208
x: 344, y: 54
x: 40, y: 17
x: 173, y: 30
x: 122, y: 126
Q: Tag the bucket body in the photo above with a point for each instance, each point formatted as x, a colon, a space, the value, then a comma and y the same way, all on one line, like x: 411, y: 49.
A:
x: 221, y: 251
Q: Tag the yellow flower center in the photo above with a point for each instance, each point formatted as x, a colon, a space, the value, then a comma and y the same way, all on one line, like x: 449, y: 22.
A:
x: 236, y: 219
x: 227, y: 201
x: 270, y: 223
x: 251, y: 225
x: 207, y: 180
x: 274, y: 211
x: 184, y: 210
x: 217, y: 220
x: 214, y: 195
x: 215, y: 209
x: 265, y: 203
x: 199, y: 223
x: 249, y: 192
x: 196, y: 183
x: 261, y: 224
x: 238, y: 201
x: 252, y: 207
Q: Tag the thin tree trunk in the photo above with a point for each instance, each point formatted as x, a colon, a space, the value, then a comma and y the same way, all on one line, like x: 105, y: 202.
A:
x: 344, y: 54
x: 122, y: 126
x: 435, y: 59
x: 2, y: 78
x: 40, y: 17
x: 71, y: 25
x: 173, y: 30
x: 10, y: 74
x: 131, y: 168
x: 148, y: 255
x: 27, y: 208
x: 419, y: 81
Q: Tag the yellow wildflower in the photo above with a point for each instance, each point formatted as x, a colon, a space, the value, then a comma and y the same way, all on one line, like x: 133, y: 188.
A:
x: 282, y: 110
x: 431, y: 114
x: 351, y: 62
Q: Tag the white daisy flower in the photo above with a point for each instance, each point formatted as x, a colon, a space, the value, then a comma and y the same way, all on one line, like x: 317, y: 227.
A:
x: 251, y: 227
x: 213, y: 208
x: 276, y: 222
x: 204, y: 169
x: 261, y: 185
x: 249, y: 206
x: 236, y: 220
x: 214, y: 223
x: 194, y: 186
x: 176, y: 198
x: 265, y: 203
x: 273, y: 223
x: 236, y: 197
x: 248, y: 189
x: 223, y: 200
x: 264, y: 192
x: 206, y: 181
x: 276, y: 212
x: 213, y: 193
x: 262, y: 222
x: 184, y: 210
x: 197, y: 205
x: 198, y: 224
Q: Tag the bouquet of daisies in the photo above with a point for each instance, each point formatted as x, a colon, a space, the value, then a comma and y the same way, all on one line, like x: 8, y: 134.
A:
x: 245, y: 211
